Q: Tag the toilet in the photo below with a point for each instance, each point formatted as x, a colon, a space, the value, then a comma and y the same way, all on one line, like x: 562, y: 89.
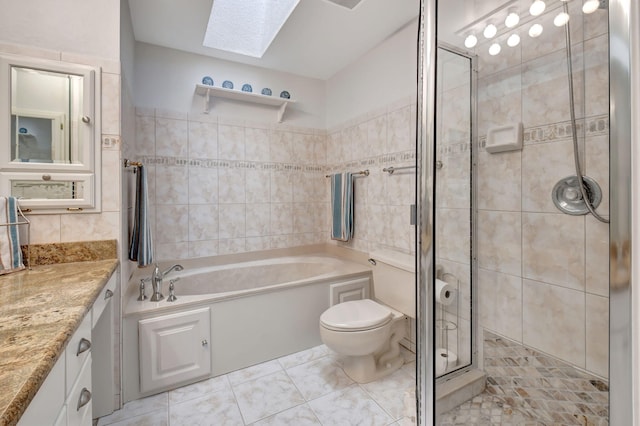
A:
x: 367, y: 332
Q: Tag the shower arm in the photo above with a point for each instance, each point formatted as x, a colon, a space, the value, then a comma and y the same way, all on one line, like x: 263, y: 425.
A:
x: 574, y: 132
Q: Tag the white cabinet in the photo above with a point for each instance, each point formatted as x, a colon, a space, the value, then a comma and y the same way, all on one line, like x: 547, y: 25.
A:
x: 102, y: 374
x: 174, y: 349
x: 66, y: 397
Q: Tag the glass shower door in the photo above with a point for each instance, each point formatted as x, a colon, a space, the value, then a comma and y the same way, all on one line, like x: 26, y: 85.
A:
x: 453, y: 212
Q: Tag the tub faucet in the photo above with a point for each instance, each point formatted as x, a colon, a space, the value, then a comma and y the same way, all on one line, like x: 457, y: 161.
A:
x: 156, y: 280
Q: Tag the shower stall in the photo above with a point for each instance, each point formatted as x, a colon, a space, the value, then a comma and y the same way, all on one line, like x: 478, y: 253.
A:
x: 518, y: 140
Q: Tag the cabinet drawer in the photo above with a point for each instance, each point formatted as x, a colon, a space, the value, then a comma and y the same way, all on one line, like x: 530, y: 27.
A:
x: 79, y: 402
x: 105, y: 296
x: 78, y: 350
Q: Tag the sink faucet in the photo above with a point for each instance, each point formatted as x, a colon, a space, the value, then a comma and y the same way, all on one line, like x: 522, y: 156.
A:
x: 156, y: 280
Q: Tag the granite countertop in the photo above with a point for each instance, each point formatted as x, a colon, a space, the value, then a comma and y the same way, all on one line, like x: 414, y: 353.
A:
x: 39, y: 311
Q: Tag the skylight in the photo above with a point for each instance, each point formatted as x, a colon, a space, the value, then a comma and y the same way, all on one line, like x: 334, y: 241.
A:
x: 246, y: 27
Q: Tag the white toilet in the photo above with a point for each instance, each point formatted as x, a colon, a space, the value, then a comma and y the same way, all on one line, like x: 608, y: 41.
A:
x: 368, y: 332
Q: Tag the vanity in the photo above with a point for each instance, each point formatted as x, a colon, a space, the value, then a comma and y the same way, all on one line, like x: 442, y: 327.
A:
x: 56, y: 343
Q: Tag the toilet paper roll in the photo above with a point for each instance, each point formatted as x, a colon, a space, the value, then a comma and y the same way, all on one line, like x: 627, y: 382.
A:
x: 445, y: 293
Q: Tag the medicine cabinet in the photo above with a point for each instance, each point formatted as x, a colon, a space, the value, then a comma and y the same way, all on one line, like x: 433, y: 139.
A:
x: 50, y: 134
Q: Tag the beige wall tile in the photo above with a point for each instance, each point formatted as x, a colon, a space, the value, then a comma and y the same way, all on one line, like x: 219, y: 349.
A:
x: 597, y: 329
x: 546, y: 325
x: 553, y: 249
x: 597, y: 257
x: 500, y: 241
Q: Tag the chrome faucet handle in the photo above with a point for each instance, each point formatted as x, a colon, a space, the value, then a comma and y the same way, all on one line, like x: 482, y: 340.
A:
x: 143, y: 294
x: 172, y: 289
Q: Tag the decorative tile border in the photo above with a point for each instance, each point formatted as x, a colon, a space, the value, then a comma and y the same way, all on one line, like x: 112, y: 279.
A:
x: 398, y: 159
x: 591, y: 126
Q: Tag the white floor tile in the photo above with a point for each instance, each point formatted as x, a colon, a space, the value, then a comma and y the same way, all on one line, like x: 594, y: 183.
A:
x: 199, y: 389
x: 410, y: 369
x: 218, y: 408
x: 351, y: 406
x: 152, y: 404
x: 303, y: 356
x: 150, y: 419
x: 265, y: 396
x: 389, y: 392
x: 301, y: 415
x: 255, y: 371
x: 320, y: 377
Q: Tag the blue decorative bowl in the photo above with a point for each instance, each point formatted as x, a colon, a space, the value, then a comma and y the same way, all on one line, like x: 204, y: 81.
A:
x: 285, y: 95
x: 247, y: 88
x: 227, y: 84
x: 266, y: 91
x: 207, y: 80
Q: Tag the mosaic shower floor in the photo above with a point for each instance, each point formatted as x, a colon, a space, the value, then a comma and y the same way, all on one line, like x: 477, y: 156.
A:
x: 526, y: 387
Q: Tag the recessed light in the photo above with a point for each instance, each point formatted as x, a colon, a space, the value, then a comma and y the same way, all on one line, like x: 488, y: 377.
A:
x: 494, y: 49
x: 470, y: 41
x: 590, y: 6
x: 561, y: 19
x: 490, y: 31
x: 537, y: 7
x: 535, y: 30
x: 513, y: 40
x: 511, y: 20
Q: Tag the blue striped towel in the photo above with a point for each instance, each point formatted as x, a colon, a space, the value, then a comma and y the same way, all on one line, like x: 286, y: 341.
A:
x: 342, y: 206
x: 10, y: 252
x: 141, y: 246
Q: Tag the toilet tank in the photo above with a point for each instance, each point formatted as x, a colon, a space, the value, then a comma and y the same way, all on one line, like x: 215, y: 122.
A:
x: 394, y: 280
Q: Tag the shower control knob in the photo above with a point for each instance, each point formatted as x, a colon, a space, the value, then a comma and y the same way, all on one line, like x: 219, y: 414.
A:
x: 572, y: 194
x: 204, y: 342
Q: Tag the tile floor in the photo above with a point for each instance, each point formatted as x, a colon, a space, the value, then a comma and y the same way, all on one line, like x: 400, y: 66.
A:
x: 305, y: 388
x: 527, y: 387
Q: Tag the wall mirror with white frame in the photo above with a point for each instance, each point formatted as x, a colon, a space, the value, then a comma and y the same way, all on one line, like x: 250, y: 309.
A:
x: 50, y: 127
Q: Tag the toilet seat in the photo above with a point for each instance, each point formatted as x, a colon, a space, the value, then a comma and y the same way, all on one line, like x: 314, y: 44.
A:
x: 355, y: 315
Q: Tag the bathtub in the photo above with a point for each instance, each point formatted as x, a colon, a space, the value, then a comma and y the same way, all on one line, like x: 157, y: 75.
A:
x: 249, y: 310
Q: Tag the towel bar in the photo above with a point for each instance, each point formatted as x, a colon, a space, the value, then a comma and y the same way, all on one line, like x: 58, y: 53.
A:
x: 392, y: 169
x: 361, y: 172
x: 129, y: 163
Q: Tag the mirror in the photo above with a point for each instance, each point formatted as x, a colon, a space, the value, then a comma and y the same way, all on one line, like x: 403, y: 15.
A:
x: 45, y: 107
x: 49, y: 120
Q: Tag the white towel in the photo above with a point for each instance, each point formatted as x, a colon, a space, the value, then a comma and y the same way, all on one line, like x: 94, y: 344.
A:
x: 10, y: 251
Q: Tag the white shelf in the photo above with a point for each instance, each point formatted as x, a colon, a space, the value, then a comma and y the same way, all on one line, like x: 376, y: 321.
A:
x: 220, y: 92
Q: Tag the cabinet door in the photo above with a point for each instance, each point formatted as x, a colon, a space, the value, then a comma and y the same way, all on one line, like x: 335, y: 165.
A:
x: 174, y: 349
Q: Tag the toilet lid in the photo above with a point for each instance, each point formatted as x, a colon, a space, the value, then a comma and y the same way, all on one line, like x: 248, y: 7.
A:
x: 356, y: 315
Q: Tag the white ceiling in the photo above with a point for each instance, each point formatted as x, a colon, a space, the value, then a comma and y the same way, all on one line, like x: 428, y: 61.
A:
x: 319, y: 39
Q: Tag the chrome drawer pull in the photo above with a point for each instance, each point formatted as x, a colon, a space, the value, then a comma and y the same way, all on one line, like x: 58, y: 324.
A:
x: 85, y: 397
x: 83, y: 346
x: 108, y: 294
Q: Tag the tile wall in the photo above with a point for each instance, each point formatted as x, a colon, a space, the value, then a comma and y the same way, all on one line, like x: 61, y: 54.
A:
x: 543, y: 275
x: 381, y: 138
x: 221, y: 186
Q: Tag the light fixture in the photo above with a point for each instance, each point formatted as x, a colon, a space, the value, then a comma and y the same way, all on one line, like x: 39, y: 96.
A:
x: 561, y: 19
x: 246, y: 27
x: 494, y: 49
x: 511, y: 20
x: 470, y: 41
x: 490, y: 31
x: 513, y: 40
x: 590, y: 6
x: 537, y: 7
x: 535, y: 30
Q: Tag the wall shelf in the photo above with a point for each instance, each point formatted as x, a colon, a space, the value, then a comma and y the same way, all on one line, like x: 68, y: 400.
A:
x: 209, y: 92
